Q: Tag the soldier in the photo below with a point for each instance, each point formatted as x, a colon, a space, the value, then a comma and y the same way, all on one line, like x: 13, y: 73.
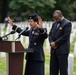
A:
x: 37, y: 34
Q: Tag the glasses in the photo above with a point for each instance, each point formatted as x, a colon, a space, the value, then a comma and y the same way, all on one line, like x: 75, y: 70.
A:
x: 55, y: 18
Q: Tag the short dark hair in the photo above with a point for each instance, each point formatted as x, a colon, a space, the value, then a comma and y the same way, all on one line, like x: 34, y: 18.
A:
x: 33, y: 16
x: 58, y: 12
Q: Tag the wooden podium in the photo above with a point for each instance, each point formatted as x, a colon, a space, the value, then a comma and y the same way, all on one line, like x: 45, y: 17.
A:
x: 14, y: 56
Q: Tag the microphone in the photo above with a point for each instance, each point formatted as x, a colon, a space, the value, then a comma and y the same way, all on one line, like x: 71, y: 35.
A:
x: 21, y: 33
x: 5, y: 36
x: 12, y: 32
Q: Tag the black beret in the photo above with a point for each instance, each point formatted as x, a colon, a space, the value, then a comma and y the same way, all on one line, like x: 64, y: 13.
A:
x: 33, y: 16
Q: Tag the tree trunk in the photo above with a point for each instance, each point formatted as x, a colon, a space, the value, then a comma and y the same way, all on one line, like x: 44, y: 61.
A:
x: 4, y: 10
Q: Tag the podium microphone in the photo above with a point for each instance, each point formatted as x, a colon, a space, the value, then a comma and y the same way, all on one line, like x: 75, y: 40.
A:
x: 5, y: 36
x: 12, y: 32
x: 21, y: 33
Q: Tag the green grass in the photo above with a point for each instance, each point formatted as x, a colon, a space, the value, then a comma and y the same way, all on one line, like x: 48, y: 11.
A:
x: 2, y: 66
x: 74, y: 70
x: 47, y: 62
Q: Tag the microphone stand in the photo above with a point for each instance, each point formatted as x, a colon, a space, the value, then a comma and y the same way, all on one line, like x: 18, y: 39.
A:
x: 21, y: 33
x: 6, y: 36
x: 17, y: 38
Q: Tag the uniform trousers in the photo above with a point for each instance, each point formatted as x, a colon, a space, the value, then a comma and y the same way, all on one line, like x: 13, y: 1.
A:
x: 34, y: 68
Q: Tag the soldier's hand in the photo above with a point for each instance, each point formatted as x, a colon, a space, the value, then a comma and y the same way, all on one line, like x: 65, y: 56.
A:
x: 10, y: 21
x: 39, y: 25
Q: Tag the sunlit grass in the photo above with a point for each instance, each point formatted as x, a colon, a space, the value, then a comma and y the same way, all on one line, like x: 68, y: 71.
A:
x: 74, y: 70
x: 2, y: 66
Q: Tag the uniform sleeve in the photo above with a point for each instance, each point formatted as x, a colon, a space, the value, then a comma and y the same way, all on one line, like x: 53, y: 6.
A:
x: 44, y: 33
x: 66, y: 34
x: 17, y: 29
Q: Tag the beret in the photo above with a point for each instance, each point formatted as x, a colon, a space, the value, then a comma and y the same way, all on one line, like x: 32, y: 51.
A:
x: 33, y: 16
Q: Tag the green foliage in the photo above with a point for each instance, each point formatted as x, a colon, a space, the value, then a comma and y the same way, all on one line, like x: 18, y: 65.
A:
x: 24, y: 8
x: 0, y: 8
x: 45, y: 8
x: 67, y: 7
x: 74, y: 69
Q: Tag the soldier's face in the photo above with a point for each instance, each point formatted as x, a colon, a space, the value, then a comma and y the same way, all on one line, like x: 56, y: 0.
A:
x: 32, y: 23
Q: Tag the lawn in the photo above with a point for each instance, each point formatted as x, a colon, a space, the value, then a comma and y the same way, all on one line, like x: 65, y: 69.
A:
x: 74, y: 70
x: 2, y: 66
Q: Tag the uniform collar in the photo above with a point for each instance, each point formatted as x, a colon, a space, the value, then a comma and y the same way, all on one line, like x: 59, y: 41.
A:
x: 34, y: 29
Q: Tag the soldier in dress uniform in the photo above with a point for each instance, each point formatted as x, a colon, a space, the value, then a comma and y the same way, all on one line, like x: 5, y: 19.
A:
x: 37, y: 34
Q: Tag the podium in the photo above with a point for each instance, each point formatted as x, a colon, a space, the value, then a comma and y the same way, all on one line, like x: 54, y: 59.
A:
x: 14, y: 56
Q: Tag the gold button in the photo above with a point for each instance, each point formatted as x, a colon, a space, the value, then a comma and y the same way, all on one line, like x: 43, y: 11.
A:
x: 34, y: 43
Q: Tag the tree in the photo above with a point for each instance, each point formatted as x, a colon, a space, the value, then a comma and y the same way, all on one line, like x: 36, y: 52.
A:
x: 66, y: 7
x: 45, y: 8
x: 24, y: 8
x: 4, y: 9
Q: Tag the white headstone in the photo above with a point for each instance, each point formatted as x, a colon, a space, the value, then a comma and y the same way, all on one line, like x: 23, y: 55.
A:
x: 2, y: 54
x: 11, y: 37
x: 22, y: 39
x: 70, y: 64
x: 47, y: 44
x: 27, y: 40
x: 71, y: 38
x: 75, y: 48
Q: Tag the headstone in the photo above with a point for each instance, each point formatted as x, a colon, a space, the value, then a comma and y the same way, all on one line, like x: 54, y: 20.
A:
x: 47, y: 44
x: 27, y: 40
x: 22, y: 39
x: 75, y: 48
x: 70, y: 64
x: 71, y: 38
